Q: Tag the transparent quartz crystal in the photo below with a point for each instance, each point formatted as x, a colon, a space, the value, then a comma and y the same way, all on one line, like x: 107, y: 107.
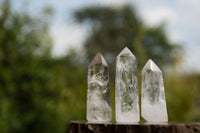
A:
x: 98, y: 93
x: 153, y: 94
x: 126, y: 88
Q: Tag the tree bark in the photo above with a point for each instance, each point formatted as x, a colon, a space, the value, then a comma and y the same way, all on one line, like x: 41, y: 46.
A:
x: 84, y: 127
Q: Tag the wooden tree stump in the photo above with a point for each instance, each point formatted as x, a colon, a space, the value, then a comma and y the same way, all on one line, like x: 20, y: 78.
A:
x: 84, y: 127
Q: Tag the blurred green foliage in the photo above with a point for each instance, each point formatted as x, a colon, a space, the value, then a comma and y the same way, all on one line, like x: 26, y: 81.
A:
x: 35, y: 89
x: 39, y: 93
x: 113, y: 29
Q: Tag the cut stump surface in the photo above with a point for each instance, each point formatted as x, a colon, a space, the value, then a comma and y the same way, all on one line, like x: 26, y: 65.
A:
x: 85, y: 127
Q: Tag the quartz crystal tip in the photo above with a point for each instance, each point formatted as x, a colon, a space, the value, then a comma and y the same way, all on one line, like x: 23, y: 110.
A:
x: 98, y: 92
x: 98, y: 59
x: 126, y: 52
x: 126, y: 88
x: 153, y: 107
x: 151, y: 66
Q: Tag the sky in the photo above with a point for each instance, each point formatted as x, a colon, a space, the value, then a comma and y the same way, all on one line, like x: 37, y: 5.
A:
x: 182, y: 19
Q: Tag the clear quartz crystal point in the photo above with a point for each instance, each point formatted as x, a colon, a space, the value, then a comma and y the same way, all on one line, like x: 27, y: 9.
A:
x: 98, y: 92
x: 126, y: 88
x: 153, y: 94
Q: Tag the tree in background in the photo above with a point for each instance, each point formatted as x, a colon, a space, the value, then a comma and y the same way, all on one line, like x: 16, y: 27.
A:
x: 28, y: 98
x: 38, y: 93
x: 115, y: 28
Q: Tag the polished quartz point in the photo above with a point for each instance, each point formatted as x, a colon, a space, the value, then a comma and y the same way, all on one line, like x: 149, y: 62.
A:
x: 153, y: 94
x: 98, y: 92
x: 126, y: 88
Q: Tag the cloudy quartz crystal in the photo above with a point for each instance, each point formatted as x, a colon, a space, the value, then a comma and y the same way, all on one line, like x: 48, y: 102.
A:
x: 126, y: 88
x: 153, y: 94
x: 98, y: 93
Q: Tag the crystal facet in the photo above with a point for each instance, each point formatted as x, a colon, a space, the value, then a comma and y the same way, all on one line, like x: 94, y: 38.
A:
x: 98, y: 92
x: 126, y: 88
x: 153, y: 94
